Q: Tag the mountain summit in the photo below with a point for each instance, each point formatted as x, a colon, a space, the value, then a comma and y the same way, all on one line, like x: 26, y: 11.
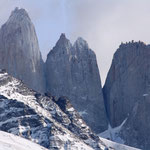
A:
x: 71, y: 75
x: 19, y: 50
x: 72, y: 71
x: 126, y: 93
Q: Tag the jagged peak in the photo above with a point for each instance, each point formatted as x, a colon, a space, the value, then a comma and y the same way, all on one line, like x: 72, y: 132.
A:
x: 80, y: 40
x: 18, y: 14
x: 130, y: 48
x: 63, y: 45
x: 81, y: 43
x: 20, y: 11
x: 63, y: 41
x: 63, y: 36
x: 132, y: 43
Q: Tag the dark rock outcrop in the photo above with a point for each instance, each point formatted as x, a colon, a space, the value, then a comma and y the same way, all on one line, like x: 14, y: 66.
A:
x: 72, y: 71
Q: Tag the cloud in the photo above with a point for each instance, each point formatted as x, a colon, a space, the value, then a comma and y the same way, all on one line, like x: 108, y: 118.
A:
x: 103, y: 23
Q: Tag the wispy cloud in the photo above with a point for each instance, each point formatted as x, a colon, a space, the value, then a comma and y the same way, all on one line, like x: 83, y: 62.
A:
x: 103, y: 23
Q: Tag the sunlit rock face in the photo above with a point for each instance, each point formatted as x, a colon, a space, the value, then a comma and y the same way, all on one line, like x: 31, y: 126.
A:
x: 19, y: 50
x: 72, y: 71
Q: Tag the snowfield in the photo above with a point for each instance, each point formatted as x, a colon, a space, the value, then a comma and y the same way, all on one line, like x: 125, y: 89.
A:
x: 117, y: 146
x: 11, y: 142
x: 113, y: 134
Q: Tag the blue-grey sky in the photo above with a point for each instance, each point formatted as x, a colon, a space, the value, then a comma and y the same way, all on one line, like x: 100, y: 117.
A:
x: 104, y: 24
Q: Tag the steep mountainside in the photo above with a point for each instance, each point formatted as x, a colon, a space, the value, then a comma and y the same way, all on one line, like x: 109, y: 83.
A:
x: 19, y: 50
x: 38, y: 118
x: 138, y: 124
x: 126, y: 93
x: 72, y: 71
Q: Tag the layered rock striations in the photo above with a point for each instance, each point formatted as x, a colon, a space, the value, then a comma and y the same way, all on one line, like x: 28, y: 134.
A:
x: 19, y: 50
x: 72, y: 71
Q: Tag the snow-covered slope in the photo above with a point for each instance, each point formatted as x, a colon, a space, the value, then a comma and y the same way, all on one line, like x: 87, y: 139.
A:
x: 11, y: 142
x: 31, y: 115
x: 117, y: 146
x: 113, y: 134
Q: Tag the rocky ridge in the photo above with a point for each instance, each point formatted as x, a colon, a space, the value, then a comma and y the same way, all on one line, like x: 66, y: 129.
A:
x: 38, y: 118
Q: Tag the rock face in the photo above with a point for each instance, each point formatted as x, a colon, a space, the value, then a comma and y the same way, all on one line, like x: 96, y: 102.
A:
x: 19, y: 50
x: 136, y: 130
x: 37, y: 117
x: 72, y: 71
x: 126, y: 93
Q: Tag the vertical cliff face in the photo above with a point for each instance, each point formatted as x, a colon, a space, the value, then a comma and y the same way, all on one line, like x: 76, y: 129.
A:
x: 19, y: 50
x: 58, y: 68
x: 136, y: 130
x: 127, y: 81
x: 127, y: 91
x: 72, y: 71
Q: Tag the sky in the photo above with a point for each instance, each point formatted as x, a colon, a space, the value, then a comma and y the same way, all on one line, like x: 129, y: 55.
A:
x: 104, y: 24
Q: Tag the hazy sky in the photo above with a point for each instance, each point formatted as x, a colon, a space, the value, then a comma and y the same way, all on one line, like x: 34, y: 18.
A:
x: 104, y: 24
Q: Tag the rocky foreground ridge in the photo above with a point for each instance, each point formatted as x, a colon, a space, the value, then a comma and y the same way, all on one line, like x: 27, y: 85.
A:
x: 43, y: 119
